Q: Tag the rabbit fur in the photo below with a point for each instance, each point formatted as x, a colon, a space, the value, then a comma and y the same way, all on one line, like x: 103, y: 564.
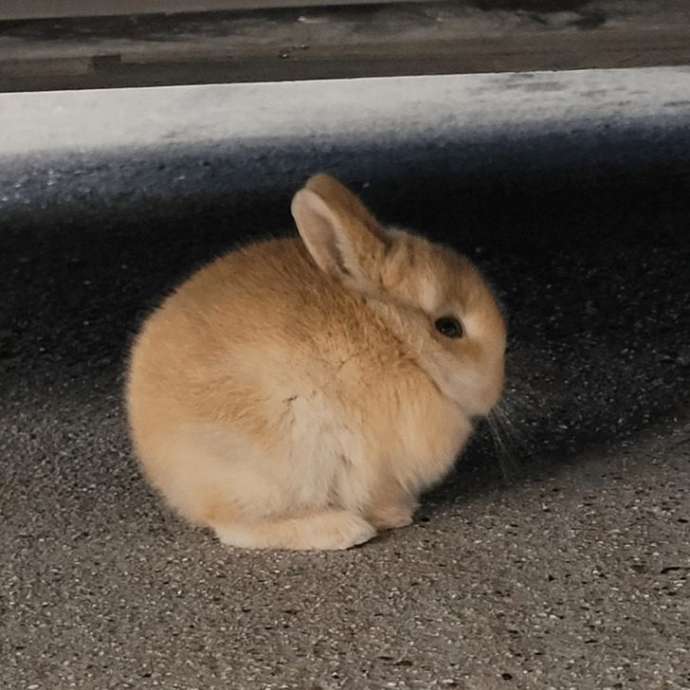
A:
x: 296, y: 394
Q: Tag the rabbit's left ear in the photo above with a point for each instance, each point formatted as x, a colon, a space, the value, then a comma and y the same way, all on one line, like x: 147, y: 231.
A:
x: 342, y: 236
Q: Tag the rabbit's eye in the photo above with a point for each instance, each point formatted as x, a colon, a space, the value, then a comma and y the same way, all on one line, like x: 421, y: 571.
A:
x: 449, y: 326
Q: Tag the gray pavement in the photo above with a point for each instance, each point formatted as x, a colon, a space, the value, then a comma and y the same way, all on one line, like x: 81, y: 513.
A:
x: 573, y: 573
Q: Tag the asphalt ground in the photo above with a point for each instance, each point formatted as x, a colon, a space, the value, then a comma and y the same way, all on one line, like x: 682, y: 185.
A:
x: 567, y: 568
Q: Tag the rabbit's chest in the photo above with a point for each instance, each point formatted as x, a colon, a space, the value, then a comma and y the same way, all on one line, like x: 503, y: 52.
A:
x: 325, y: 450
x: 339, y: 452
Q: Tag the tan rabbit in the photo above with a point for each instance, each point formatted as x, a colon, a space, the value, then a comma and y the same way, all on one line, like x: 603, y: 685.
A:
x: 300, y: 393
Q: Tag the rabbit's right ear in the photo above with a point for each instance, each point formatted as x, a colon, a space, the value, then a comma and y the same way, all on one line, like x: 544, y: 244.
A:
x: 341, y: 235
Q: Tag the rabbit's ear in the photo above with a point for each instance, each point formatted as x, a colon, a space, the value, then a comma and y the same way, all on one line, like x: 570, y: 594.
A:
x: 342, y: 236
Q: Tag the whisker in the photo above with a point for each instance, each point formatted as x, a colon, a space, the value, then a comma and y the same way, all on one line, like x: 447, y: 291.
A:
x: 509, y: 441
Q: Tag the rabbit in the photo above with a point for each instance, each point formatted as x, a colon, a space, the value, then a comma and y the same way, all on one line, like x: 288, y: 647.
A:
x: 300, y: 393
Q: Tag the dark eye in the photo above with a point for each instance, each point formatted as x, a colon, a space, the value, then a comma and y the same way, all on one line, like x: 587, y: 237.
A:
x: 449, y: 326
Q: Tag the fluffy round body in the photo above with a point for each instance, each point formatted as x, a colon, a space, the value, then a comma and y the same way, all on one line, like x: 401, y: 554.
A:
x: 283, y: 407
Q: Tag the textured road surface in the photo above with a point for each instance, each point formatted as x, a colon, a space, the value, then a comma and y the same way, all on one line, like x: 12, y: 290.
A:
x: 572, y: 574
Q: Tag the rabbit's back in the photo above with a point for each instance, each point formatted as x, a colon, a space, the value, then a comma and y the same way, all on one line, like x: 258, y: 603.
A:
x: 263, y: 317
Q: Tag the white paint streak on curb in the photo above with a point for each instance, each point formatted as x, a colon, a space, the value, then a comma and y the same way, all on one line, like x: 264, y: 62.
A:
x: 102, y: 120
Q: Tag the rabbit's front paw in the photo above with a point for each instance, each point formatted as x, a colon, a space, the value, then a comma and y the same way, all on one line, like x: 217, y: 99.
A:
x: 393, y: 516
x: 342, y: 531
